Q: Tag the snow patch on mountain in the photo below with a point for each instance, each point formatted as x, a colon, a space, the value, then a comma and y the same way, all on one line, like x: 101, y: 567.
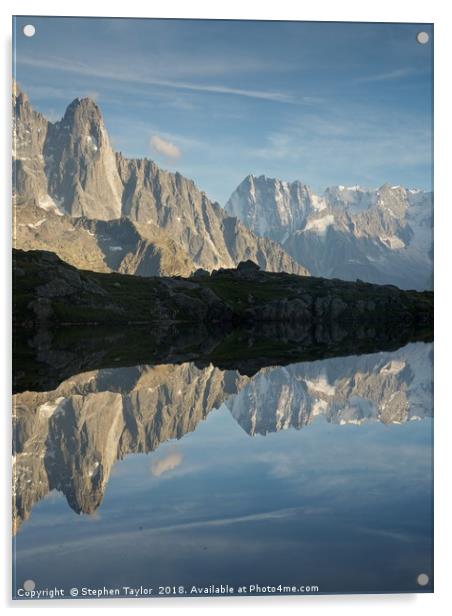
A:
x: 50, y: 205
x: 320, y: 224
x: 381, y: 235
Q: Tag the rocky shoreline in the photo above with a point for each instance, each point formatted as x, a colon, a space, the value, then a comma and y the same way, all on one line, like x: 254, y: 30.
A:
x: 47, y: 290
x: 67, y: 321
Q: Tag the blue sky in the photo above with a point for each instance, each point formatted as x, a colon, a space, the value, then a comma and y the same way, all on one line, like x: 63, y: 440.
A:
x: 323, y: 103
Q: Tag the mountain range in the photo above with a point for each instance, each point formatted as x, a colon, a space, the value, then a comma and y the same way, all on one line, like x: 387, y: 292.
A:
x: 383, y: 235
x: 97, y: 210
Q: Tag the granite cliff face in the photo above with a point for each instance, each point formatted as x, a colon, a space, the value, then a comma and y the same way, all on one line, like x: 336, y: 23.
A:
x: 29, y: 137
x: 69, y: 439
x: 381, y: 236
x: 93, y: 207
x: 80, y: 164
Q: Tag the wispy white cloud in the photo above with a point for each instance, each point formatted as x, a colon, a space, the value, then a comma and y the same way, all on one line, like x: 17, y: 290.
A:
x: 39, y: 92
x: 344, y: 145
x: 144, y: 77
x: 164, y: 147
x: 376, y: 140
x: 389, y: 76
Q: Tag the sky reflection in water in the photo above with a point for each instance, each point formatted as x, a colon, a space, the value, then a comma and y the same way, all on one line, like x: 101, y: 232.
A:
x: 337, y: 493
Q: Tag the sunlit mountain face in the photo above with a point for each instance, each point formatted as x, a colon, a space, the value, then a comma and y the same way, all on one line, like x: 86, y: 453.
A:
x: 321, y: 469
x: 97, y: 210
x: 381, y: 235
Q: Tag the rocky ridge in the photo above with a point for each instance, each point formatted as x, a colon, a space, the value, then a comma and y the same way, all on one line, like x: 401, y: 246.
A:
x: 383, y: 235
x: 73, y: 195
x: 47, y: 290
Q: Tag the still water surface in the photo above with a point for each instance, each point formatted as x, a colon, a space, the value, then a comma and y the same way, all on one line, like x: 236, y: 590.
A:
x: 316, y: 474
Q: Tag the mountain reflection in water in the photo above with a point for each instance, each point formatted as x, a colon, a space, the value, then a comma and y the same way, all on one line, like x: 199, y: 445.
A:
x: 70, y: 441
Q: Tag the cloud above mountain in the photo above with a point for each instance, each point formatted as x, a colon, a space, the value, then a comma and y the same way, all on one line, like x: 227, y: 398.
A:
x: 162, y: 146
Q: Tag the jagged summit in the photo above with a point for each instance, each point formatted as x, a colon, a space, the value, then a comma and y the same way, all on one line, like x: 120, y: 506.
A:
x: 17, y: 91
x: 380, y: 235
x: 70, y: 184
x: 83, y: 107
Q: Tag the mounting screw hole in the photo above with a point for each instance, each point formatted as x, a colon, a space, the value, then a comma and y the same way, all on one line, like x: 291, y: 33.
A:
x: 423, y: 579
x: 422, y: 38
x: 29, y: 585
x: 29, y: 30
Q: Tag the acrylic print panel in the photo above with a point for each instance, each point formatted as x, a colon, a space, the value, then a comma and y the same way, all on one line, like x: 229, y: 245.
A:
x: 222, y: 308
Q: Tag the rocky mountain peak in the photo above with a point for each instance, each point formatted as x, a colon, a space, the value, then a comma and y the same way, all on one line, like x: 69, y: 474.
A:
x: 22, y: 109
x: 20, y: 99
x: 393, y: 199
x: 83, y: 103
x: 83, y: 114
x: 379, y: 235
x: 30, y: 130
x: 269, y: 206
x: 71, y: 171
x: 80, y: 165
